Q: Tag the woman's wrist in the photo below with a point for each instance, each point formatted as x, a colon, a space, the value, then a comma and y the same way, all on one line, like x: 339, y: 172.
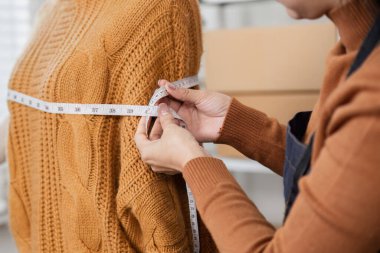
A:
x: 193, y: 153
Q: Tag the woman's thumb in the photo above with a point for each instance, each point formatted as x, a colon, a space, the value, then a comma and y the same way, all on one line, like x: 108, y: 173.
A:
x: 185, y: 95
x: 166, y: 117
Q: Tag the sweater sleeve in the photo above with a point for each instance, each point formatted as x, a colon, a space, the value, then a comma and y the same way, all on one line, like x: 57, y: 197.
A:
x: 166, y: 45
x: 337, y: 209
x: 256, y: 135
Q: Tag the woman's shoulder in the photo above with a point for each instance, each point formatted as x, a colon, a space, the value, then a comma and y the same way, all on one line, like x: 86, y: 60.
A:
x: 359, y: 96
x: 367, y: 78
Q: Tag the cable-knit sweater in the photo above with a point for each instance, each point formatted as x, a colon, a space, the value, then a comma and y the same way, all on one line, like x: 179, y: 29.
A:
x: 77, y: 182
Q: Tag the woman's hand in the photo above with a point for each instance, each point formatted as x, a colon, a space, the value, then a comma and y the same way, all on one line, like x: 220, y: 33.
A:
x: 202, y: 111
x: 170, y: 153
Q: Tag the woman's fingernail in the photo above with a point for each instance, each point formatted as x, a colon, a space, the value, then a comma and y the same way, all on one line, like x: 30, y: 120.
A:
x: 163, y: 109
x: 171, y: 86
x: 160, y: 82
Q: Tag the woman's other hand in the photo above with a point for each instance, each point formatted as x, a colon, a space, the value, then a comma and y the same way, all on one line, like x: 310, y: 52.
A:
x: 202, y: 111
x: 176, y: 146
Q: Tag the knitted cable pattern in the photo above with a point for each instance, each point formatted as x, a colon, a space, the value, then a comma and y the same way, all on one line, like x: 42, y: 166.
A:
x: 77, y: 182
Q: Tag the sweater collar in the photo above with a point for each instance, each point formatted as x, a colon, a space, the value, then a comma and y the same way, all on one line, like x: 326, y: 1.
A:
x: 354, y: 20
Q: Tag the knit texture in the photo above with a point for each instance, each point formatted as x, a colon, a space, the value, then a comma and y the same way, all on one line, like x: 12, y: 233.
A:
x: 77, y: 182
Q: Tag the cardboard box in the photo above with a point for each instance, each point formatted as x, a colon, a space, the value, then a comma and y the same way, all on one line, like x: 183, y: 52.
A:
x: 290, y: 58
x: 281, y: 106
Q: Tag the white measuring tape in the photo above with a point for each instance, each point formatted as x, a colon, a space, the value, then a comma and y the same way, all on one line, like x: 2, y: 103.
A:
x: 151, y: 110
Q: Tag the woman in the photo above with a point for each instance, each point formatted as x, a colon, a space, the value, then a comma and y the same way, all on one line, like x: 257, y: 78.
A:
x: 337, y: 208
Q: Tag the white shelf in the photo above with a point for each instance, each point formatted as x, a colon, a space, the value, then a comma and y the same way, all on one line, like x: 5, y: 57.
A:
x: 238, y: 164
x: 244, y: 165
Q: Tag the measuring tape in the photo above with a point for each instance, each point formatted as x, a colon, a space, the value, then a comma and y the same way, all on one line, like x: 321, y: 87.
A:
x: 151, y: 110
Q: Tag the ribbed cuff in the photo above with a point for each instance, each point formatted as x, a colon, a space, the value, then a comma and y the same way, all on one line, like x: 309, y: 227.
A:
x: 205, y: 172
x: 242, y: 123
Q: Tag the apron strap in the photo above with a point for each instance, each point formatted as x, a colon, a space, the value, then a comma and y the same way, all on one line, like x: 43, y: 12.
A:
x: 301, y: 170
x: 370, y: 43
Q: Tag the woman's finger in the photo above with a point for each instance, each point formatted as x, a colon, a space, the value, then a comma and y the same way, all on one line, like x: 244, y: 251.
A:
x: 189, y: 95
x: 185, y: 95
x: 165, y: 116
x: 162, y: 83
x: 141, y: 138
x: 149, y: 150
x: 156, y: 131
x: 174, y: 104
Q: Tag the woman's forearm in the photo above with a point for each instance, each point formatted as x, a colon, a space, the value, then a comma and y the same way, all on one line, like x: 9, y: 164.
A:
x: 336, y: 210
x: 256, y: 135
x: 233, y: 220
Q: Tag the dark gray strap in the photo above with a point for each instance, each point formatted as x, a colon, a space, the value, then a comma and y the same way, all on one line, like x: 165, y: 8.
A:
x: 301, y: 170
x: 370, y: 43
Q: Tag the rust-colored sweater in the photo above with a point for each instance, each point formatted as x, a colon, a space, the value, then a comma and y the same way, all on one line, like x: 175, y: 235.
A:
x: 338, y: 208
x: 77, y: 182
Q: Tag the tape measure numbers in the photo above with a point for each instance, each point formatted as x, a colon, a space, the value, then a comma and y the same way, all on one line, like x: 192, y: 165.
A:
x: 151, y: 110
x: 101, y: 109
x: 193, y: 221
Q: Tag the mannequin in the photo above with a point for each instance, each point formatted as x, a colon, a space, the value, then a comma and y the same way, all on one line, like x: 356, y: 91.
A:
x: 78, y: 184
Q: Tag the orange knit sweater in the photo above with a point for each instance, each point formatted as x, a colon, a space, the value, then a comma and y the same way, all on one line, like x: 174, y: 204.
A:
x: 77, y: 183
